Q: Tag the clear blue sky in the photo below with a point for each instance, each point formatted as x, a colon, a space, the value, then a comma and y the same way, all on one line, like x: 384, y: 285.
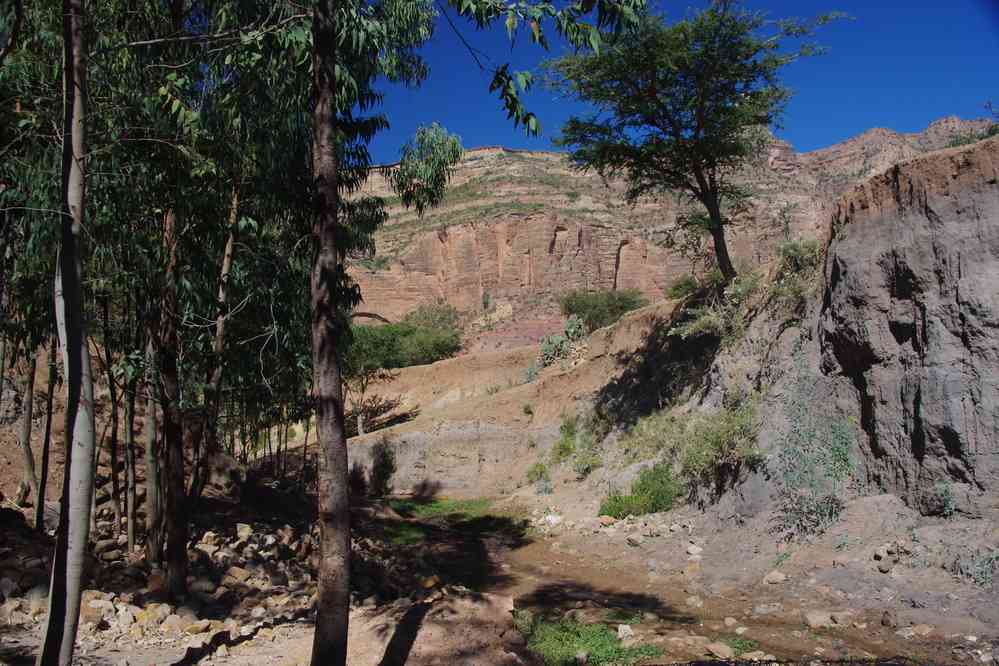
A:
x: 898, y: 64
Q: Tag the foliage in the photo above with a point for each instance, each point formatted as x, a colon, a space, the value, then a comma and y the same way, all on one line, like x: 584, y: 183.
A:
x: 655, y: 490
x: 622, y: 616
x: 531, y: 372
x: 565, y: 445
x: 684, y: 286
x: 558, y: 643
x: 723, y: 441
x: 538, y: 472
x: 404, y: 534
x: 441, y: 507
x: 813, y: 461
x: 598, y: 309
x: 383, y: 468
x: 940, y: 501
x: 528, y: 409
x: 554, y: 347
x: 741, y: 645
x: 426, y: 166
x: 797, y: 271
x: 980, y: 567
x: 679, y: 108
x: 723, y: 315
x: 579, y: 439
x: 575, y: 329
x: 440, y: 316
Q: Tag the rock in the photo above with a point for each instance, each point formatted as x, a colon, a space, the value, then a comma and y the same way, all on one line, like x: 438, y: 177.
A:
x: 720, y: 650
x: 210, y: 538
x: 174, y: 624
x: 607, y: 521
x: 38, y: 600
x: 842, y: 618
x: 244, y: 531
x: 238, y: 574
x: 625, y: 631
x: 222, y: 652
x: 767, y: 609
x: 922, y: 630
x: 258, y: 612
x: 755, y: 655
x: 634, y: 541
x: 889, y: 619
x: 582, y: 657
x: 731, y: 622
x: 111, y: 555
x: 694, y: 549
x: 817, y: 619
x: 8, y: 588
x: 739, y: 631
x: 125, y: 618
x: 95, y: 610
x: 694, y: 601
x: 774, y: 578
x: 203, y: 585
x: 891, y: 318
x: 199, y: 627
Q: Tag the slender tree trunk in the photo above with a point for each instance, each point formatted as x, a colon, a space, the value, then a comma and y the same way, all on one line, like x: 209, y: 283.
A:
x: 113, y: 446
x: 78, y: 482
x: 30, y: 482
x: 718, y: 236
x: 333, y: 606
x: 130, y: 464
x: 305, y: 451
x: 213, y: 387
x: 3, y: 359
x: 173, y: 434
x: 154, y: 493
x: 44, y: 477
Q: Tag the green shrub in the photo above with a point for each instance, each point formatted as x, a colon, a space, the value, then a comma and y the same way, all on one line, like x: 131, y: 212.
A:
x: 528, y: 409
x: 422, y: 346
x: 722, y: 315
x: 531, y: 372
x: 741, y: 645
x: 704, y: 444
x: 558, y: 643
x: 726, y: 438
x: 978, y: 567
x: 565, y: 446
x: 797, y: 272
x: 374, y: 263
x: 683, y: 287
x: 597, y: 309
x: 493, y: 390
x: 538, y: 472
x: 655, y: 490
x: 813, y: 460
x: 439, y: 316
x: 553, y: 348
x: 575, y: 329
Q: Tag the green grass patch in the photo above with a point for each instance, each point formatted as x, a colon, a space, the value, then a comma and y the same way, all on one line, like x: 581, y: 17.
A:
x: 404, y: 534
x: 441, y: 508
x: 600, y: 308
x: 622, y: 616
x: 655, y: 490
x: 558, y: 643
x: 741, y: 645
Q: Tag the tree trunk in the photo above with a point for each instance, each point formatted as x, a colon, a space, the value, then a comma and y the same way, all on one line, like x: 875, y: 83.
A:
x: 30, y: 482
x: 78, y: 481
x: 333, y: 606
x: 305, y: 451
x: 44, y: 476
x: 173, y: 433
x: 130, y: 464
x: 718, y: 236
x: 213, y: 387
x: 154, y: 493
x: 113, y: 446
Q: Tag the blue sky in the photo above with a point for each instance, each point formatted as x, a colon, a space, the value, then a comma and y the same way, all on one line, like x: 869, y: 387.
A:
x: 898, y: 64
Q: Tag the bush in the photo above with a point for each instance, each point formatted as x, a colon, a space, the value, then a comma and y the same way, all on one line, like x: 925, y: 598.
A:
x: 978, y: 567
x: 528, y: 409
x: 724, y: 440
x: 439, y: 316
x: 531, y: 372
x: 722, y: 316
x: 575, y: 329
x: 538, y: 472
x: 655, y: 490
x: 553, y: 348
x: 558, y: 643
x: 565, y: 446
x: 597, y: 309
x: 683, y: 287
x: 797, y: 272
x: 422, y: 346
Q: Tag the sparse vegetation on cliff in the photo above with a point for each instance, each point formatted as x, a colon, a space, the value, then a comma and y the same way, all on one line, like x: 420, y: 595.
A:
x: 597, y: 309
x: 655, y: 490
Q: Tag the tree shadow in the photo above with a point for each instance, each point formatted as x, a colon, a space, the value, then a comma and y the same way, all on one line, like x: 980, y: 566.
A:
x: 560, y: 596
x: 657, y: 373
x: 401, y: 644
x: 13, y: 654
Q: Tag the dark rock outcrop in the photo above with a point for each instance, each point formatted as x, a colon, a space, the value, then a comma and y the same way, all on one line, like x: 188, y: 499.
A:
x: 910, y: 317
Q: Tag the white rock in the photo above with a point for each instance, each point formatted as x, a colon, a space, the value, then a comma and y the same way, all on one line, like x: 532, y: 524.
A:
x: 624, y: 631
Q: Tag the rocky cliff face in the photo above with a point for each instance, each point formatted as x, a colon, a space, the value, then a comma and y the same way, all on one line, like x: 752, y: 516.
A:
x: 910, y: 317
x: 520, y: 227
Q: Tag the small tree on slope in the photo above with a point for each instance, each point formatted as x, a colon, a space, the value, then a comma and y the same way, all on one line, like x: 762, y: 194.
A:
x: 679, y: 108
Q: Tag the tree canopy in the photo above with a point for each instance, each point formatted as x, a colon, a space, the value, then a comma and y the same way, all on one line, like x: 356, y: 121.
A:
x: 679, y: 107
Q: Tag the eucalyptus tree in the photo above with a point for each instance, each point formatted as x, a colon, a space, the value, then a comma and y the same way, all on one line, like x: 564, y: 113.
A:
x: 352, y: 40
x: 681, y: 107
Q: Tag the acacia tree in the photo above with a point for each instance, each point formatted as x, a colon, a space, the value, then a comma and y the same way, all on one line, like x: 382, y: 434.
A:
x: 680, y: 108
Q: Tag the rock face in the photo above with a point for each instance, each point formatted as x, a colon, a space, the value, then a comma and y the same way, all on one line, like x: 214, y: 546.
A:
x: 910, y: 315
x: 471, y: 264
